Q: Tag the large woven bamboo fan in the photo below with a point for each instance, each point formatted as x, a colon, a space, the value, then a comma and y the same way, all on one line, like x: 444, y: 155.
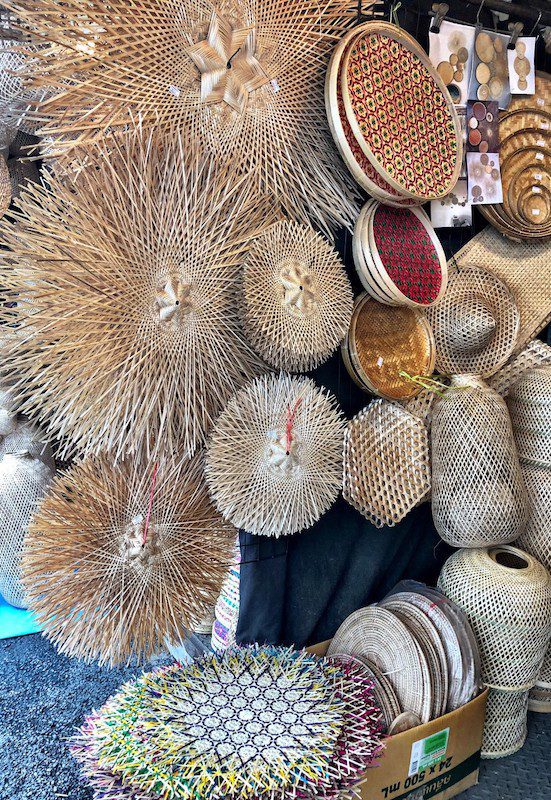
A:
x: 296, y: 296
x: 475, y: 324
x: 506, y: 595
x: 529, y: 402
x: 478, y: 494
x: 386, y: 469
x: 385, y: 345
x: 392, y: 93
x: 398, y: 256
x: 274, y: 460
x: 253, y: 722
x: 244, y: 76
x: 505, y: 725
x: 131, y: 277
x: 120, y: 556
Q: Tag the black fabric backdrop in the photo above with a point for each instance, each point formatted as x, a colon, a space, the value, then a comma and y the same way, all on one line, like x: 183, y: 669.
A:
x: 298, y: 589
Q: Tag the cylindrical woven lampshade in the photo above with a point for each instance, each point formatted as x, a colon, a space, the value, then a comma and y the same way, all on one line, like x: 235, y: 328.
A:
x: 297, y: 299
x: 5, y: 187
x: 539, y: 700
x: 536, y: 536
x: 506, y: 595
x: 478, y: 495
x: 529, y: 402
x: 505, y: 724
x: 21, y: 174
x: 23, y: 482
x: 274, y: 461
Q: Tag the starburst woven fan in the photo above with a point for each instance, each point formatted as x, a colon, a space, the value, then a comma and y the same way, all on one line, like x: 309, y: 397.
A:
x: 274, y: 460
x: 120, y: 556
x: 246, y: 76
x: 253, y: 722
x: 126, y: 290
x: 297, y: 300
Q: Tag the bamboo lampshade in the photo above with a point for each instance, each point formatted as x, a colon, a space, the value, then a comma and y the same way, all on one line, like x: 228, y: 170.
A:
x: 246, y: 77
x: 297, y: 300
x: 505, y: 725
x: 529, y: 402
x: 131, y: 275
x: 274, y: 460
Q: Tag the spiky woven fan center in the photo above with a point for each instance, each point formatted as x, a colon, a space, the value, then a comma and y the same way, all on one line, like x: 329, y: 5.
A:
x: 283, y: 456
x: 228, y: 63
x: 174, y: 300
x: 300, y: 293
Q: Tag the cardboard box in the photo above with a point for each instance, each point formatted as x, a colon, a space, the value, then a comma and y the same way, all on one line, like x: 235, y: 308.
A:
x: 437, y: 760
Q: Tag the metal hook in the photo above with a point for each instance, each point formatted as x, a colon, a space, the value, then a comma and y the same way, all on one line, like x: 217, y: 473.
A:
x: 439, y: 11
x: 536, y: 25
x: 516, y: 29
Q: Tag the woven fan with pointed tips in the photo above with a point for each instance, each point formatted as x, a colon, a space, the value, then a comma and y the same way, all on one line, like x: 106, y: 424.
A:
x: 245, y: 76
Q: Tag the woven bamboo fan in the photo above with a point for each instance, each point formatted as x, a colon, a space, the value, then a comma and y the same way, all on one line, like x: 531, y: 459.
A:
x: 478, y: 494
x: 252, y: 722
x: 118, y: 557
x: 475, y: 324
x: 274, y: 461
x: 505, y: 726
x: 5, y: 187
x: 131, y: 277
x: 21, y: 174
x: 386, y: 463
x: 529, y: 402
x: 297, y: 298
x: 383, y: 343
x: 506, y: 595
x: 245, y: 77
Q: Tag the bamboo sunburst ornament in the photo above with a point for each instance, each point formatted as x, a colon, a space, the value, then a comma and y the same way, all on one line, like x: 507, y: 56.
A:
x: 125, y: 287
x: 254, y: 722
x: 120, y: 556
x: 274, y: 460
x: 246, y: 76
x: 297, y: 300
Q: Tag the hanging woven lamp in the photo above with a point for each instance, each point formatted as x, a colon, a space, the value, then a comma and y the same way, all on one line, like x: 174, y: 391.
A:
x: 274, y: 461
x: 297, y: 300
x: 244, y: 76
x: 252, y: 722
x: 529, y: 402
x: 505, y: 725
x: 506, y: 595
x: 130, y: 277
x: 120, y: 556
x: 478, y: 495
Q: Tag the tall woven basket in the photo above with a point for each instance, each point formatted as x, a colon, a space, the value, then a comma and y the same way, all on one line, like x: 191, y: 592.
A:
x: 478, y: 494
x: 506, y: 595
x: 529, y: 402
x: 505, y: 723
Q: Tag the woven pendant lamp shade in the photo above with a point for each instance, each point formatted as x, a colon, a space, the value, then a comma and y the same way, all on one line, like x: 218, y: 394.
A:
x: 505, y: 725
x: 539, y: 700
x: 120, y: 556
x: 536, y: 538
x: 478, y: 495
x: 21, y: 174
x: 506, y: 595
x: 252, y: 722
x: 529, y: 402
x: 131, y: 278
x: 5, y: 187
x: 297, y: 300
x: 274, y: 460
x: 386, y: 463
x: 244, y: 77
x: 535, y: 354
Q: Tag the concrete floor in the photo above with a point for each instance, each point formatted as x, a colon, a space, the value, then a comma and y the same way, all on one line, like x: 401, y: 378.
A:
x: 45, y: 696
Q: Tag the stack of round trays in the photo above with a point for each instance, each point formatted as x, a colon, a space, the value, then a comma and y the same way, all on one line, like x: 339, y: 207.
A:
x: 391, y: 116
x: 398, y: 256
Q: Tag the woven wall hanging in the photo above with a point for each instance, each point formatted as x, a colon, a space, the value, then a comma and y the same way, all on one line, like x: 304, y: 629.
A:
x: 529, y: 402
x: 475, y: 325
x: 506, y: 595
x: 386, y: 469
x: 274, y: 460
x: 244, y: 76
x: 478, y: 494
x: 253, y: 722
x: 131, y: 278
x: 118, y: 557
x: 505, y: 725
x: 297, y: 299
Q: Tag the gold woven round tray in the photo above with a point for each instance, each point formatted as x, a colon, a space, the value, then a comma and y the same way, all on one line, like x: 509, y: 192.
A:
x: 392, y: 93
x: 385, y: 341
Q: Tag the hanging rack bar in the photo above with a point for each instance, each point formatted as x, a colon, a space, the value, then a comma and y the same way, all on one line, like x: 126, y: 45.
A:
x: 533, y: 11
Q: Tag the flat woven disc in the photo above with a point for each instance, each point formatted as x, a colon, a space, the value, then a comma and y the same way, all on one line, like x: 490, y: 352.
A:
x: 383, y: 693
x: 401, y: 113
x: 378, y: 635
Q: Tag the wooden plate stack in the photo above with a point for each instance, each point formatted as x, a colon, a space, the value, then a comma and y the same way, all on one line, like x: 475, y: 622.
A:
x: 398, y: 256
x: 391, y: 116
x: 525, y: 157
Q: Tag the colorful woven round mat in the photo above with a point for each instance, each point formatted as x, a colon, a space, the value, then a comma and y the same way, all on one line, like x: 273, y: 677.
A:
x: 400, y: 112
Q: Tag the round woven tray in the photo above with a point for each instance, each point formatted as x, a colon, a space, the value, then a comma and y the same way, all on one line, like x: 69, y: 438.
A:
x: 383, y: 693
x: 378, y: 635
